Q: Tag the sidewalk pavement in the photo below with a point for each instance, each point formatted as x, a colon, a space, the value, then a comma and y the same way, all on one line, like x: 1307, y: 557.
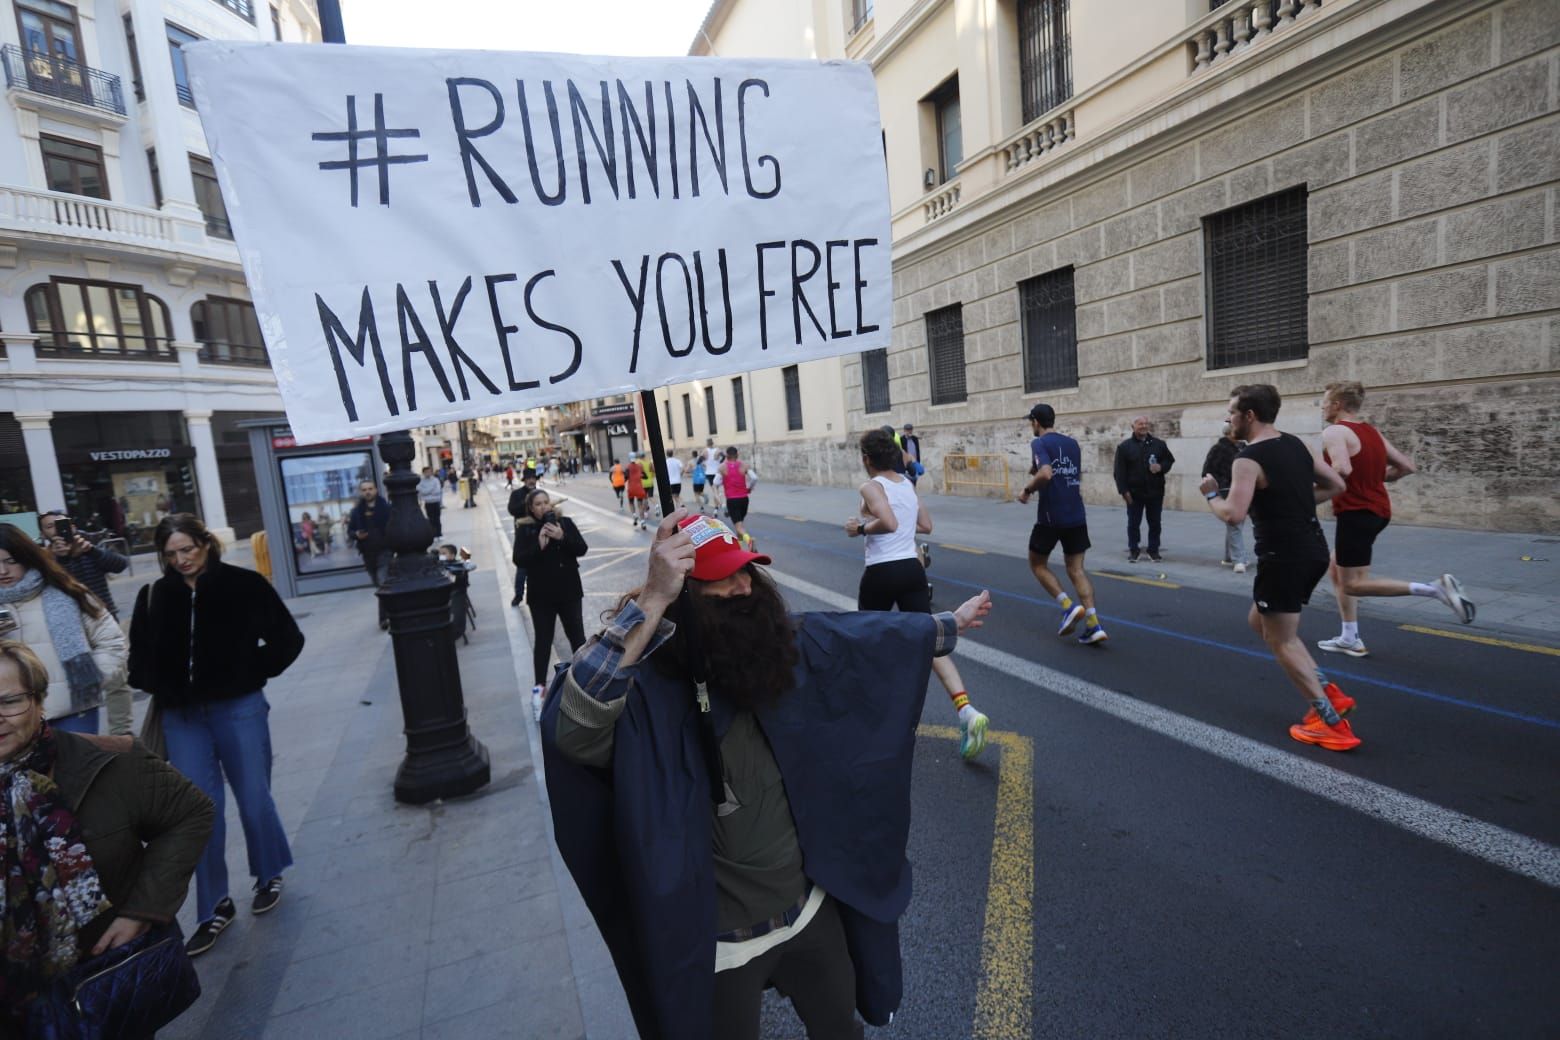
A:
x: 1516, y: 597
x: 453, y: 919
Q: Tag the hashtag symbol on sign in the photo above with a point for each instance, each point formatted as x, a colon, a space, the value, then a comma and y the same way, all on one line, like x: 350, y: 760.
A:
x: 381, y: 138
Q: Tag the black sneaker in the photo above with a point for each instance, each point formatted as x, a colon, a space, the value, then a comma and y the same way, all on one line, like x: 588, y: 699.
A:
x: 1132, y: 557
x: 206, y: 933
x: 267, y: 895
x: 1155, y: 557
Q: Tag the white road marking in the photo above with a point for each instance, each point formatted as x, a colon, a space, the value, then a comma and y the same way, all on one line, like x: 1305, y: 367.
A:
x: 1493, y: 844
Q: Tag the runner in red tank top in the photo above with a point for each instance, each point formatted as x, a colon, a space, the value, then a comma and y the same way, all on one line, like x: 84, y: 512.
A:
x: 1367, y: 461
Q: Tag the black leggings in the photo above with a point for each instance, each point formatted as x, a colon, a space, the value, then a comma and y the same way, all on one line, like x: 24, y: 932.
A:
x: 544, y: 619
x: 897, y: 583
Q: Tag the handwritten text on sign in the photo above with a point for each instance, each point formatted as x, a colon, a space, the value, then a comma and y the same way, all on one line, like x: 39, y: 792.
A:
x: 434, y: 235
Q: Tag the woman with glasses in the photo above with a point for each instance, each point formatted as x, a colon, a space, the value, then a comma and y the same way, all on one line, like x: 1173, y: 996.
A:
x: 78, y: 640
x: 98, y: 838
x: 204, y: 639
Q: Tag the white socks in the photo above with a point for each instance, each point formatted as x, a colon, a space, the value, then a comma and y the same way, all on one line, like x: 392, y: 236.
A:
x: 967, y: 712
x: 1351, y: 631
x: 1419, y: 588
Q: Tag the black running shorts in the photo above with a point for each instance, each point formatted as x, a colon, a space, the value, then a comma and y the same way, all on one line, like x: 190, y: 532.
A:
x: 1356, y: 534
x: 1284, y: 586
x: 897, y: 583
x: 736, y: 508
x: 1043, y: 538
x: 676, y: 490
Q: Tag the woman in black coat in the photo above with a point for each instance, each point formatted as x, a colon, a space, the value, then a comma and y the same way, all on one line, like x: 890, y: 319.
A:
x: 204, y: 639
x: 548, y: 548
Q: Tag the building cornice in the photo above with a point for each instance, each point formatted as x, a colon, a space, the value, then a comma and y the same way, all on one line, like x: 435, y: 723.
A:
x: 1289, y: 64
x: 901, y: 31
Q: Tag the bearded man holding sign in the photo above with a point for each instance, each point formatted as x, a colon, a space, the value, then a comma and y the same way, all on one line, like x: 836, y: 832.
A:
x: 793, y: 872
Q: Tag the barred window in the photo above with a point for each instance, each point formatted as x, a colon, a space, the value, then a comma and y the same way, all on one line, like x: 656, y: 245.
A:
x: 945, y: 343
x: 1050, y: 330
x: 874, y: 379
x: 1044, y: 55
x: 793, y: 397
x: 1255, y: 258
x: 740, y: 404
x: 709, y: 409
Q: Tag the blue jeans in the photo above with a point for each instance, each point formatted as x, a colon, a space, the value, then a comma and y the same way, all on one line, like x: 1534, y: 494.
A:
x: 231, y: 738
x: 1135, y: 512
x: 86, y: 722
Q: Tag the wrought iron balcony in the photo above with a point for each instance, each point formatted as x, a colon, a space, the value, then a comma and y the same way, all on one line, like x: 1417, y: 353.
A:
x: 234, y: 354
x: 245, y: 9
x: 57, y: 78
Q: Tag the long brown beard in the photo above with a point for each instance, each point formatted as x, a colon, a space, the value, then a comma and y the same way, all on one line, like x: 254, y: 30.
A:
x: 749, y: 644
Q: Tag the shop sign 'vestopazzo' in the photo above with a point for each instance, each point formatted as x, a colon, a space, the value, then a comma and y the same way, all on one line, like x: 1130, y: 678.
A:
x: 433, y: 235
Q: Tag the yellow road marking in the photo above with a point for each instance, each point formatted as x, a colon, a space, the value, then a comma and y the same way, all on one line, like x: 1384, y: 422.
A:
x: 1135, y: 580
x: 1531, y: 648
x: 1004, y: 1005
x: 961, y: 548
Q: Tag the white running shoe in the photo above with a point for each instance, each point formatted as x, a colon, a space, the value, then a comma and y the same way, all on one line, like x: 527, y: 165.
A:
x: 1340, y: 645
x: 1240, y: 568
x: 1450, y: 591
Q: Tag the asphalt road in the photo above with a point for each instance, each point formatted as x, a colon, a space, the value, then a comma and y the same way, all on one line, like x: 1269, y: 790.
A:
x: 1191, y: 871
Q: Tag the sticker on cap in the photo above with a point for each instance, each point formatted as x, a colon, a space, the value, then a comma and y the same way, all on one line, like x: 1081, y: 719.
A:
x: 708, y: 530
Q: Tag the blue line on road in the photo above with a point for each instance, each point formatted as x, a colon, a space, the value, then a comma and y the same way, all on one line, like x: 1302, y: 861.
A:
x: 940, y: 579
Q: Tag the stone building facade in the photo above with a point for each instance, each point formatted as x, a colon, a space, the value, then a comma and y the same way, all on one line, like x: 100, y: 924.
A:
x: 1426, y: 141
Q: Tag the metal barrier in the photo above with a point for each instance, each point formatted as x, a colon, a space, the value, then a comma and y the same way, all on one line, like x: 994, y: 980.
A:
x: 976, y: 474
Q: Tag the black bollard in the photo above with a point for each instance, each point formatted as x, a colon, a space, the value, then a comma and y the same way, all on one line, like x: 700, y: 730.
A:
x: 442, y: 759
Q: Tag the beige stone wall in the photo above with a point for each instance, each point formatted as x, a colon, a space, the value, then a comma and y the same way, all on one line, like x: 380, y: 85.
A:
x: 1432, y: 170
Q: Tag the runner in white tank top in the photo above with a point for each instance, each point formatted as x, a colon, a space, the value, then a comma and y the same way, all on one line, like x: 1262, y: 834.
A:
x: 898, y: 544
x: 891, y: 517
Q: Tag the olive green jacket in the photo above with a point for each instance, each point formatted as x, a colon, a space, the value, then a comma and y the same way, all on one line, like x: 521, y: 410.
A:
x: 144, y: 824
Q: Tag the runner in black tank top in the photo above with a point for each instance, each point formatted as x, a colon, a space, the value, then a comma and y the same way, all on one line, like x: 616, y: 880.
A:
x: 1279, y: 483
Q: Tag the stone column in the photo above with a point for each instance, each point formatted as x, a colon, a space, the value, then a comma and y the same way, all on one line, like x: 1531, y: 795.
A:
x: 48, y: 488
x: 165, y: 113
x: 208, y: 480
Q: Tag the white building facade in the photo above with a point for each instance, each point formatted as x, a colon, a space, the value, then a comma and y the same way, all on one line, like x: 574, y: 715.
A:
x: 131, y: 351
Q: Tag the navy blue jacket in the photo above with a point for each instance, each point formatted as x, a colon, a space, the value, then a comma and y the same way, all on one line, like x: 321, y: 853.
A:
x: 637, y: 837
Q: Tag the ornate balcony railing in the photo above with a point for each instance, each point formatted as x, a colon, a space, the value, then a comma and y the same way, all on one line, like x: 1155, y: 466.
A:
x: 1236, y: 26
x: 54, y: 212
x: 57, y: 78
x: 943, y: 202
x: 1041, y: 137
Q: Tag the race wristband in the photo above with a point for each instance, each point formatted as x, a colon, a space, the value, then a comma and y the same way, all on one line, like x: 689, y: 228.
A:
x: 1210, y: 496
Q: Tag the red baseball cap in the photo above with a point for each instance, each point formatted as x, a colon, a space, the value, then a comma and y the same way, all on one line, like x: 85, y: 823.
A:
x: 717, y: 552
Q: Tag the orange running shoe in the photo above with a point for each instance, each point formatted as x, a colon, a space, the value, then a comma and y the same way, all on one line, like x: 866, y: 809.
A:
x: 1342, y: 703
x: 1333, y: 738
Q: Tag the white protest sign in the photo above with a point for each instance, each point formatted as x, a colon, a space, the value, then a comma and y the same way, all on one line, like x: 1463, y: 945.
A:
x: 434, y: 235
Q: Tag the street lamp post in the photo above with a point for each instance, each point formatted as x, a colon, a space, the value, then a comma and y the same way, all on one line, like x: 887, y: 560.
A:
x: 443, y: 759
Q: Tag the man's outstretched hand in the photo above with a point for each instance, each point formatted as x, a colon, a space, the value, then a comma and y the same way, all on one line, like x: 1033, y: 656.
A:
x: 972, y: 612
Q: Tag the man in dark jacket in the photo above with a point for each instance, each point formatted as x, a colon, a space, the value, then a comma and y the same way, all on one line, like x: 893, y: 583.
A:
x: 794, y: 873
x: 1142, y: 460
x: 517, y: 499
x: 86, y: 562
x: 366, y: 529
x: 1219, y: 465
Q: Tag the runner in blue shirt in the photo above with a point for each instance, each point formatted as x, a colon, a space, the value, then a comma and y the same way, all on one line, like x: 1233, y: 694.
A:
x: 1056, y: 477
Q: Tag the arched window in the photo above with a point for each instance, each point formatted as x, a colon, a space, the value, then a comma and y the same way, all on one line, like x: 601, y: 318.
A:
x: 75, y: 317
